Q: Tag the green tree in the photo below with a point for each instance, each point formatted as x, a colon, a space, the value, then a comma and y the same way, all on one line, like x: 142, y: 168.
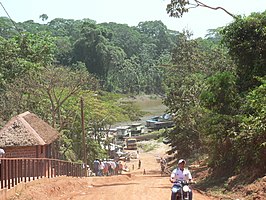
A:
x: 221, y: 94
x: 251, y: 141
x: 125, y: 79
x: 32, y: 27
x: 7, y: 29
x: 96, y: 51
x: 220, y: 122
x: 183, y: 101
x: 125, y: 37
x: 43, y: 17
x: 185, y: 79
x: 155, y: 32
x: 246, y: 41
x: 60, y: 27
x: 21, y: 55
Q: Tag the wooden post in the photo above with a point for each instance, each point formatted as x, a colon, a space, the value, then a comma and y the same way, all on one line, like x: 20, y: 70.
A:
x: 83, y: 132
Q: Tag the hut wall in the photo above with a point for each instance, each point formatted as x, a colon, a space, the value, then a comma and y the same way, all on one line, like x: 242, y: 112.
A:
x: 21, y: 152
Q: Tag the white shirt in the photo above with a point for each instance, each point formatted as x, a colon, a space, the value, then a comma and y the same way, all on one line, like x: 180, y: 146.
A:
x: 178, y: 174
x: 101, y: 166
x: 2, y: 152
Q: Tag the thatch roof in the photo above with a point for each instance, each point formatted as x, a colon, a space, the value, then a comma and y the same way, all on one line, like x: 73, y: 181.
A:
x: 27, y: 129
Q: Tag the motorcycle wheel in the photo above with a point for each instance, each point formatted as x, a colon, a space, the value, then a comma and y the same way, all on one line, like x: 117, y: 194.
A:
x: 178, y: 197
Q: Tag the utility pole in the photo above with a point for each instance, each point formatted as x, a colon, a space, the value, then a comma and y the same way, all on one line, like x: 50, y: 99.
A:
x: 83, y: 133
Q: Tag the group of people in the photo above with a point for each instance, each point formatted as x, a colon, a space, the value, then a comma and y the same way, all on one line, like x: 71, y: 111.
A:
x: 107, y: 167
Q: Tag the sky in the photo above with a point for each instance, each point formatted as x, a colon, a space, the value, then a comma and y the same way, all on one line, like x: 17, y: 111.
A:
x: 131, y: 12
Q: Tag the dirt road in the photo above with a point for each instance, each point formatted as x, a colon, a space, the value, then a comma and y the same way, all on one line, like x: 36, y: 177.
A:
x: 133, y: 185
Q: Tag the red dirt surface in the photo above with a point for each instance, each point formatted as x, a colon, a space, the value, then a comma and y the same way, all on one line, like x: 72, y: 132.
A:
x: 133, y: 185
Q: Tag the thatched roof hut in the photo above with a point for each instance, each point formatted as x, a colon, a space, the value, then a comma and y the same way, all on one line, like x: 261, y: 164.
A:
x: 27, y: 129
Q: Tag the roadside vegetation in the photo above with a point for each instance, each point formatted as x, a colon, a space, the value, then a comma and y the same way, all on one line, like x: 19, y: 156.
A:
x: 147, y: 146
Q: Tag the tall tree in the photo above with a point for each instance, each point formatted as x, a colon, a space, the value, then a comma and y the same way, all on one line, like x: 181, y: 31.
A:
x: 7, y: 29
x: 185, y: 80
x: 251, y: 142
x: 246, y: 41
x: 156, y: 32
x: 23, y: 54
x: 125, y: 37
x: 43, y: 17
x: 96, y: 51
x: 220, y: 122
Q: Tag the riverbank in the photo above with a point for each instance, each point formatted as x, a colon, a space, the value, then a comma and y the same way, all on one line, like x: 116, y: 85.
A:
x: 151, y: 105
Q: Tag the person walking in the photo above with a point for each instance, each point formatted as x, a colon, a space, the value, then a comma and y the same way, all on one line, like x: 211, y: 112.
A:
x: 96, y: 164
x: 163, y: 165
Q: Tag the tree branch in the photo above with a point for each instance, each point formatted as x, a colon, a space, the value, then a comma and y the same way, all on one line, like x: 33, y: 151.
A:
x: 215, y: 8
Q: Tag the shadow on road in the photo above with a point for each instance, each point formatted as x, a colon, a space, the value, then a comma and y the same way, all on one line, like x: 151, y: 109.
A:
x: 114, y: 184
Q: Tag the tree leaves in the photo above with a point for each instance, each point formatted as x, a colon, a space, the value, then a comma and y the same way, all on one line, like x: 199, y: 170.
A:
x: 246, y: 40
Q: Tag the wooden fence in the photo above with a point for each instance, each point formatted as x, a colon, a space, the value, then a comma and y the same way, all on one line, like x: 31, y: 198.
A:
x: 16, y: 170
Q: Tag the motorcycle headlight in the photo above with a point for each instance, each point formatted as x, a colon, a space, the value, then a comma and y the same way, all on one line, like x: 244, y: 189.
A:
x: 185, y: 188
x: 175, y: 189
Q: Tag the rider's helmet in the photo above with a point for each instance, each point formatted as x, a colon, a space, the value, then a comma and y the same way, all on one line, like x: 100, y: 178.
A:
x: 181, y: 161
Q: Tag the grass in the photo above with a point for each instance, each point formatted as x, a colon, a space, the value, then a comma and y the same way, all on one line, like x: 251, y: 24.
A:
x: 147, y: 146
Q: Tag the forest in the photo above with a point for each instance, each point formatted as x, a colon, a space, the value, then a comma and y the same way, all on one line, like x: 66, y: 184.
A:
x: 215, y: 86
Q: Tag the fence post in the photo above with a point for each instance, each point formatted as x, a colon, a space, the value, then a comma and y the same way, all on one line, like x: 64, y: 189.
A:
x: 25, y: 169
x: 16, y: 171
x: 29, y: 167
x: 9, y: 173
x: 2, y: 173
x: 20, y: 170
x: 6, y: 171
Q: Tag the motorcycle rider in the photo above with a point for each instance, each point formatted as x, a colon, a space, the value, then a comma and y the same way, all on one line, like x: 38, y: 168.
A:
x: 183, y: 174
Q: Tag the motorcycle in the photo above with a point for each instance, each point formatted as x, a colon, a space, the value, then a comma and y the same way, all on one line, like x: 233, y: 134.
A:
x: 181, y: 190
